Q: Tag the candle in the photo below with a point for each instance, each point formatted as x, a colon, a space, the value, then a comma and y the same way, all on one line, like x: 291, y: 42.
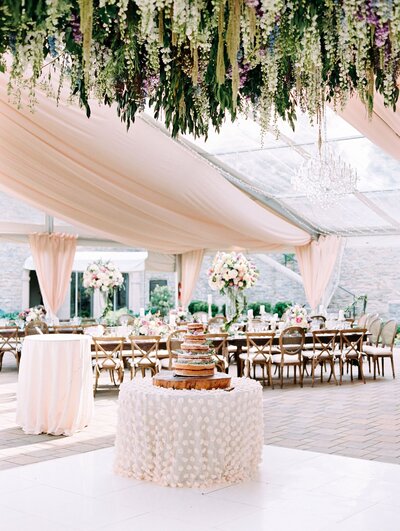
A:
x: 209, y: 298
x: 141, y: 312
x: 172, y: 319
x: 262, y: 309
x: 341, y: 315
x: 250, y: 314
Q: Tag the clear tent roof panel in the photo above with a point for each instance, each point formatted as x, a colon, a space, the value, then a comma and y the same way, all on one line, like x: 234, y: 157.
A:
x: 266, y: 166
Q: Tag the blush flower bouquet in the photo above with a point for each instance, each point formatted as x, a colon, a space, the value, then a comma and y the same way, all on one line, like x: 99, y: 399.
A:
x: 296, y: 316
x: 104, y: 276
x: 231, y: 274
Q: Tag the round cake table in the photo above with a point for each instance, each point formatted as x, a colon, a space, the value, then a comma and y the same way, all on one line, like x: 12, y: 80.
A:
x: 189, y: 438
x: 55, y: 384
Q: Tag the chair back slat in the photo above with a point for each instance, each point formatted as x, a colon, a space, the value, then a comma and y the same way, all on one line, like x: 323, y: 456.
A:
x: 352, y: 340
x: 324, y: 342
x: 375, y: 328
x: 36, y: 327
x: 260, y: 343
x: 145, y: 347
x: 388, y: 333
x: 291, y: 341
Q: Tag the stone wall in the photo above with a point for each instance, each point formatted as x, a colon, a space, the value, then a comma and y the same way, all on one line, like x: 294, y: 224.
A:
x: 12, y: 258
x: 370, y: 271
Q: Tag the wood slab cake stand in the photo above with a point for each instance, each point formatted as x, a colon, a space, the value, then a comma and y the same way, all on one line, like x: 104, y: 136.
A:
x: 167, y: 379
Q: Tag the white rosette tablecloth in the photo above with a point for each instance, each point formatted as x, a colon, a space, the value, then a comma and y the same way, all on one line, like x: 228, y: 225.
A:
x: 55, y: 384
x: 189, y: 438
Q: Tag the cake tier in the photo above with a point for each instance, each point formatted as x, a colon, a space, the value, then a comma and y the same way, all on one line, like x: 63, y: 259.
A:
x: 196, y: 337
x: 194, y: 360
x: 194, y: 347
x: 194, y: 373
x: 195, y: 327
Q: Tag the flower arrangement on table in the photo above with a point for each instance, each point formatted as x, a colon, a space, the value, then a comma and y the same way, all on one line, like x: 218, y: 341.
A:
x: 150, y: 325
x: 105, y: 277
x: 296, y: 316
x: 231, y: 274
x: 36, y: 313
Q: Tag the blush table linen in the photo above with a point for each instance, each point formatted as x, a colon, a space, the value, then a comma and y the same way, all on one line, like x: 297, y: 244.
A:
x: 55, y: 384
x: 189, y: 438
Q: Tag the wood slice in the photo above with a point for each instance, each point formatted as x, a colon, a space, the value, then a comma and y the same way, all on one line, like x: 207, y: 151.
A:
x: 169, y: 380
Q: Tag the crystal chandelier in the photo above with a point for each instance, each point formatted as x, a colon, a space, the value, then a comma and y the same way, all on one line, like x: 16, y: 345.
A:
x: 325, y: 178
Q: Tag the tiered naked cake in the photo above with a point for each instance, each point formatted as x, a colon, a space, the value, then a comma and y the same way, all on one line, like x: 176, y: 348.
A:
x: 194, y: 366
x: 195, y: 357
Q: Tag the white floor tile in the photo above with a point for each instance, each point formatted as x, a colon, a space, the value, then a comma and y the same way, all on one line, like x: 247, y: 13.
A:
x: 293, y: 490
x: 152, y: 522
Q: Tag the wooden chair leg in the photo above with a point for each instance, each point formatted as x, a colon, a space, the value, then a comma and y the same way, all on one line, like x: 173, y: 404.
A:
x: 333, y: 372
x: 383, y: 366
x: 323, y: 368
x: 301, y: 377
x: 392, y: 362
x: 351, y: 371
x: 340, y: 370
x: 369, y: 364
x: 312, y: 373
x: 96, y: 381
x: 281, y: 371
x: 374, y: 368
x: 295, y: 371
x: 360, y: 369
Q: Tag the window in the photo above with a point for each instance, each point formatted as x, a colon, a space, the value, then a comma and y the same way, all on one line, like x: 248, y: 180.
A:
x: 81, y: 300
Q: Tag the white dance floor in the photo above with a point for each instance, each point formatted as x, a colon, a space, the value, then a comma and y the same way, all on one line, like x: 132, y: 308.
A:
x: 293, y: 490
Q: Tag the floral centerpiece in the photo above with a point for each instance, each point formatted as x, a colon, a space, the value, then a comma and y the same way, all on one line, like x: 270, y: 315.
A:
x: 36, y: 313
x: 150, y: 325
x: 104, y: 277
x: 231, y: 274
x: 296, y: 316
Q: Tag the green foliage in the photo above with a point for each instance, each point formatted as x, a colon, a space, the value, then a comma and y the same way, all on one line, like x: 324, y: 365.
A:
x: 202, y: 306
x: 11, y: 316
x: 266, y: 58
x: 281, y: 306
x: 255, y: 306
x: 161, y: 300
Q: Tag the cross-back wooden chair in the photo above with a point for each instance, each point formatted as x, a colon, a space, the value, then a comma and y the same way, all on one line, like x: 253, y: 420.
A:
x: 108, y: 357
x: 258, y: 353
x: 36, y: 327
x: 291, y: 344
x: 10, y: 342
x: 144, y: 350
x: 324, y: 344
x: 351, y: 351
x: 384, y: 349
x: 219, y: 345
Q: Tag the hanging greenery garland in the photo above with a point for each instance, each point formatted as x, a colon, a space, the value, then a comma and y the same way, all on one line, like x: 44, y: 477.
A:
x: 196, y: 61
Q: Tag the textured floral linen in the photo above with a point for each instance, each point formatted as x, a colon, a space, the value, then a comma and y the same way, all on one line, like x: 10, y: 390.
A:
x: 183, y: 438
x: 55, y: 384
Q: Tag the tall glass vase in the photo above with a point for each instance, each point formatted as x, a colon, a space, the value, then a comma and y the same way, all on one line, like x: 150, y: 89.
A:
x: 234, y: 306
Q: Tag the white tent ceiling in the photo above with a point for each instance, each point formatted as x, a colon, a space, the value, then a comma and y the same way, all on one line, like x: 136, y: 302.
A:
x: 263, y: 169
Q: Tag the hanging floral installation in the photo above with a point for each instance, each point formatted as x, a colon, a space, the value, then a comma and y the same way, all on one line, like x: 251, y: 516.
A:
x: 196, y: 61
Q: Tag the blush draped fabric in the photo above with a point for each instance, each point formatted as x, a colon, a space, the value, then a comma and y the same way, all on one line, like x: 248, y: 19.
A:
x: 53, y: 255
x: 137, y: 187
x: 316, y: 263
x: 190, y: 270
x: 383, y: 129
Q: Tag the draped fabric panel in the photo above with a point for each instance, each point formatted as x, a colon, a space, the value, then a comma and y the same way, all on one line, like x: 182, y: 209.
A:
x: 138, y: 187
x: 53, y: 255
x: 316, y: 263
x: 190, y: 270
x: 383, y: 129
